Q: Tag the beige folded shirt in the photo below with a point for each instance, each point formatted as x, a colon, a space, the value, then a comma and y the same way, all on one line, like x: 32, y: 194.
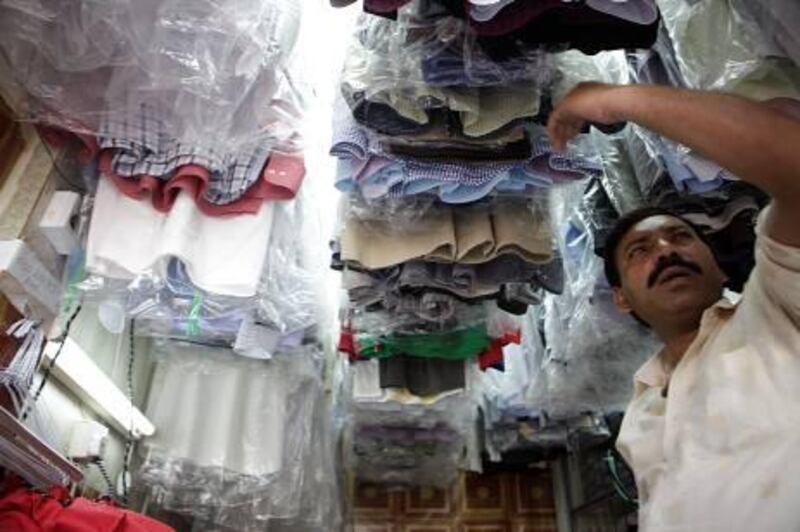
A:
x: 470, y: 236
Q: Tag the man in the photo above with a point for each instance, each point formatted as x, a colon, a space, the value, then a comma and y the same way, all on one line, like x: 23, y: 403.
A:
x: 713, y: 430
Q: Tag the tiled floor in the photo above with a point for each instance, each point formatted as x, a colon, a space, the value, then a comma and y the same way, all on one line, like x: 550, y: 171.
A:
x: 497, y: 502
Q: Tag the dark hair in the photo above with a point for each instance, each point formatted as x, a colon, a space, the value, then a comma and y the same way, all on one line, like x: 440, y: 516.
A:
x: 625, y: 223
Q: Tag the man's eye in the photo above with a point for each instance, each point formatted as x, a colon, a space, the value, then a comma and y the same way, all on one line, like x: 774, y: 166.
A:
x: 636, y: 251
x: 683, y: 235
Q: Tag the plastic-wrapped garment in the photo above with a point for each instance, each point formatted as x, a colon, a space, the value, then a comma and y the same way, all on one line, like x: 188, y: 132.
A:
x: 778, y: 19
x: 366, y: 165
x: 427, y: 311
x: 222, y: 255
x: 219, y: 71
x: 619, y: 177
x: 232, y: 433
x: 467, y: 236
x: 393, y: 61
x: 380, y: 335
x: 467, y: 282
x: 543, y: 435
x: 166, y: 302
x: 688, y: 171
x: 718, y: 49
x: 320, y: 504
x: 418, y: 444
x: 590, y: 26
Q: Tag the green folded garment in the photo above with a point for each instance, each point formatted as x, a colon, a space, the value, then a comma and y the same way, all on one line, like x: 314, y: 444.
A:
x: 453, y: 345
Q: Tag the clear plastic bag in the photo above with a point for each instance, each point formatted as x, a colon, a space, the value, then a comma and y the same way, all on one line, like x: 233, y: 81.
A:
x: 369, y: 167
x: 778, y: 19
x: 232, y: 434
x: 217, y: 75
x: 420, y: 53
x: 166, y: 301
x: 395, y: 443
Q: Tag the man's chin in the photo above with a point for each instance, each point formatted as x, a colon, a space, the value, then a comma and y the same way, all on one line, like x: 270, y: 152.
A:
x: 687, y: 297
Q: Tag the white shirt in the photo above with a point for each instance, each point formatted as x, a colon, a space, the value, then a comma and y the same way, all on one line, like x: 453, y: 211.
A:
x: 722, y: 450
x: 222, y: 254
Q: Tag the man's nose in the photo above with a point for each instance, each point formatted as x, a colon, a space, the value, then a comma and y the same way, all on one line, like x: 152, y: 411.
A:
x: 663, y: 244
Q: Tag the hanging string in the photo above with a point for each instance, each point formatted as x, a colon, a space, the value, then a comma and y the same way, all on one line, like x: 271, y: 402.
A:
x: 51, y: 365
x: 129, y: 441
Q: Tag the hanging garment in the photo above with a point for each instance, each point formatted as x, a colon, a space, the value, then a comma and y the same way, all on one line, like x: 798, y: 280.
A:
x: 23, y: 510
x: 80, y: 65
x: 128, y: 238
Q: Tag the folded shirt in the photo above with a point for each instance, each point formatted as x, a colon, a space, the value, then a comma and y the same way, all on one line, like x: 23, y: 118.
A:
x: 142, y: 159
x: 367, y: 165
x: 384, y: 66
x: 422, y: 376
x: 128, y: 238
x: 467, y: 236
x: 468, y: 282
x: 279, y: 179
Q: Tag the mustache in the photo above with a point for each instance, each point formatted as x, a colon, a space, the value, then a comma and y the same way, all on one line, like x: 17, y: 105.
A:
x: 668, y: 261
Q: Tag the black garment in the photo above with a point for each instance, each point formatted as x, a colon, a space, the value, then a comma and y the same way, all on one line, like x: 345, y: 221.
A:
x: 422, y: 376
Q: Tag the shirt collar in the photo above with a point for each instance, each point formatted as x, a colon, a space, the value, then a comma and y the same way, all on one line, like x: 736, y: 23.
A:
x: 652, y: 373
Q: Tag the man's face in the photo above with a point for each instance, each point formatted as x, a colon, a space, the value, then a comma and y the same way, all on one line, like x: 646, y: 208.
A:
x: 667, y: 272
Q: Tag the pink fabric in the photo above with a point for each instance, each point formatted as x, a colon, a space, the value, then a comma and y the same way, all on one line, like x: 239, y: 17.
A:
x: 281, y: 178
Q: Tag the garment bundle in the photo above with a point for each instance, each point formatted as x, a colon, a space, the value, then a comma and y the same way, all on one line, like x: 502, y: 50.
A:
x: 446, y: 234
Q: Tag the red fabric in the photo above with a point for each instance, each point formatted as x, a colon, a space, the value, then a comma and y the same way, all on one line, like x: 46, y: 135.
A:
x: 493, y: 356
x: 347, y: 344
x: 280, y: 180
x: 24, y: 510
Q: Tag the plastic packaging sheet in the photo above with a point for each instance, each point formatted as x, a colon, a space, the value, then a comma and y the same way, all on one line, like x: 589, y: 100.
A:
x: 404, y: 439
x: 165, y: 302
x: 578, y: 354
x: 719, y: 49
x: 232, y: 434
x: 447, y: 166
x: 418, y: 52
x: 215, y: 75
x: 591, y: 350
x: 778, y: 19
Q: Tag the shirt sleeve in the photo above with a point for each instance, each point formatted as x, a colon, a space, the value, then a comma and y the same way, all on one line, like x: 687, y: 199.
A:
x: 777, y: 270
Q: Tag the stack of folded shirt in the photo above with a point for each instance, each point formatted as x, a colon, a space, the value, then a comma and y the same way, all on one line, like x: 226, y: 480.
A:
x: 192, y: 140
x: 445, y: 234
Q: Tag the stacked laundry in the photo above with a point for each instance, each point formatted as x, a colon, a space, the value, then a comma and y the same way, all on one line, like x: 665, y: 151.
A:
x: 445, y: 233
x: 235, y: 436
x: 189, y: 117
x: 193, y: 119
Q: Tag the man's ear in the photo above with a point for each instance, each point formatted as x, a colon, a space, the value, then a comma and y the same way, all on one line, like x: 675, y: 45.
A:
x: 621, y: 301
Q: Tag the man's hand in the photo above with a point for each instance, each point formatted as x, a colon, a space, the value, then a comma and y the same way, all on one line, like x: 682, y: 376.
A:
x: 757, y: 142
x: 598, y: 103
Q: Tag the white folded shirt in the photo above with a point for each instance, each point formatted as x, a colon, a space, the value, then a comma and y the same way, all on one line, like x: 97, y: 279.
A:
x: 223, y: 255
